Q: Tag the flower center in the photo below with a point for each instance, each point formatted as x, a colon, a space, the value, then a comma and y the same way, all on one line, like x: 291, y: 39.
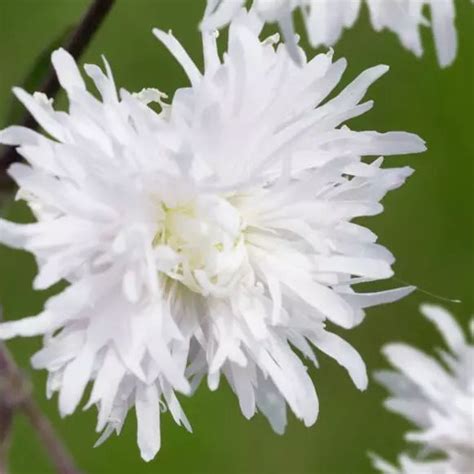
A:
x: 201, y: 244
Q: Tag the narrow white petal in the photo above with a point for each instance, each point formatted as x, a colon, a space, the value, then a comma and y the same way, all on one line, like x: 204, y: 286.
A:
x: 446, y: 324
x: 367, y: 300
x: 444, y: 31
x: 67, y: 71
x: 344, y: 354
x: 16, y: 135
x: 45, y: 119
x: 32, y: 326
x: 180, y: 54
x: 147, y: 408
x: 417, y: 366
x: 76, y: 376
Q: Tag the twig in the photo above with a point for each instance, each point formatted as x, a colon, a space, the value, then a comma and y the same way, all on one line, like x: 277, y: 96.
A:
x: 6, y: 409
x: 16, y: 396
x: 76, y: 44
x: 6, y: 416
x: 52, y: 443
x: 6, y: 419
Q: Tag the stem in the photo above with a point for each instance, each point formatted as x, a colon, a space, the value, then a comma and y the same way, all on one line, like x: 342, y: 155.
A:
x: 76, y: 44
x: 16, y: 396
x: 6, y: 409
x: 6, y: 417
x: 58, y: 453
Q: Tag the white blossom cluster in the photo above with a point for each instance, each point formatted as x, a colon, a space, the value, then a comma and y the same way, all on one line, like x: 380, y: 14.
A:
x: 437, y: 396
x: 325, y: 20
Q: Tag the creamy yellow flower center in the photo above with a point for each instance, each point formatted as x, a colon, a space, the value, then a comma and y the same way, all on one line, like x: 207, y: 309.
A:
x: 201, y: 244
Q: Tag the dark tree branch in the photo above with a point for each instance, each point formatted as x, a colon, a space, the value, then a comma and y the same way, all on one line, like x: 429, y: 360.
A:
x: 6, y: 416
x: 6, y: 409
x: 76, y: 45
x: 15, y: 395
x: 58, y: 453
x: 6, y: 419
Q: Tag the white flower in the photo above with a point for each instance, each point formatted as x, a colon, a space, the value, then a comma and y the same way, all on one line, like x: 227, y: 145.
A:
x: 92, y: 186
x: 325, y: 20
x: 287, y: 178
x: 208, y: 239
x: 437, y: 397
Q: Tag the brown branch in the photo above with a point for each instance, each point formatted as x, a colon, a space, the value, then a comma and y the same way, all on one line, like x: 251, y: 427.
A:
x: 6, y: 408
x: 6, y: 415
x: 58, y: 453
x: 15, y: 395
x: 6, y: 419
x: 76, y: 45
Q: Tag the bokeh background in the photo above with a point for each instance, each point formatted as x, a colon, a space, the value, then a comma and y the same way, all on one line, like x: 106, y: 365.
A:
x: 428, y: 224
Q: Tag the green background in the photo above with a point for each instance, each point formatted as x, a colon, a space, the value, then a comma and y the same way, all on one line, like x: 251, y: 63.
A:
x: 427, y: 224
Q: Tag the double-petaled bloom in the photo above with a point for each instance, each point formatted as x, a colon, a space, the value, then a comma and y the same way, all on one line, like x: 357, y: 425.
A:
x: 437, y: 396
x: 325, y: 20
x: 208, y: 240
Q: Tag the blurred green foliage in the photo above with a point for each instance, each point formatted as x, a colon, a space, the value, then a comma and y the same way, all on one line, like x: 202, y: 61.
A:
x: 427, y: 224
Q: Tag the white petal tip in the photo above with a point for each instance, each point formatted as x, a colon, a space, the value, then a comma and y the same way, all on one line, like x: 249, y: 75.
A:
x: 9, y: 330
x: 382, y: 69
x: 60, y: 52
x: 18, y: 91
x: 427, y: 308
x: 160, y: 34
x: 147, y: 457
x: 392, y: 350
